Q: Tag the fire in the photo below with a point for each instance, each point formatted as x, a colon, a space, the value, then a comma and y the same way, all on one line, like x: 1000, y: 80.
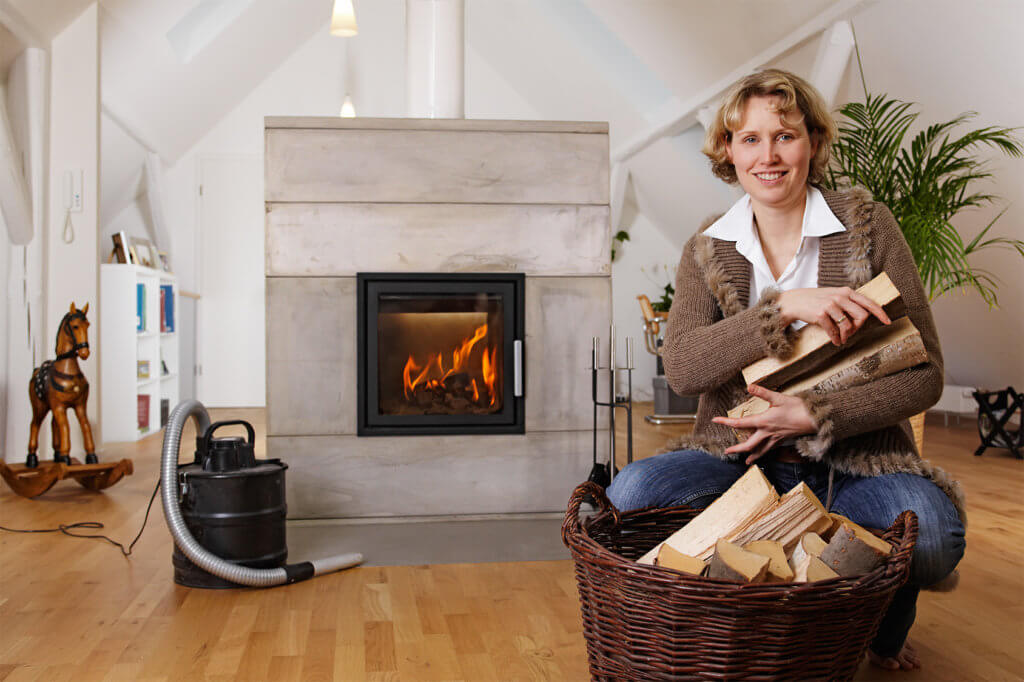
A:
x: 490, y: 373
x: 432, y: 374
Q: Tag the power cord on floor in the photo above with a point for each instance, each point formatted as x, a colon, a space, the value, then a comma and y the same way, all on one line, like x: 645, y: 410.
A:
x: 67, y: 527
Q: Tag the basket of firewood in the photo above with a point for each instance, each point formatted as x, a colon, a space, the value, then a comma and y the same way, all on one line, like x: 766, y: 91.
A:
x: 755, y: 587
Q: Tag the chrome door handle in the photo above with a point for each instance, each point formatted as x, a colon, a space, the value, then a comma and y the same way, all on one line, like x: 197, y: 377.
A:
x: 517, y: 368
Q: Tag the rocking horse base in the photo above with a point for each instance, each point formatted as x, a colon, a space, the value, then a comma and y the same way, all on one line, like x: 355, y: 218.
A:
x: 34, y: 481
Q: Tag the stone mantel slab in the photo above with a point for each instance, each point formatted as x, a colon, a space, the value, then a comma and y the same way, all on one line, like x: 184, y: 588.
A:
x: 446, y: 124
x: 348, y: 476
x: 342, y: 239
x: 435, y: 166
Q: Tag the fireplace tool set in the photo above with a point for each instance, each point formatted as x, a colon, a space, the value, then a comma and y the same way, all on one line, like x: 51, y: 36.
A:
x: 604, y: 474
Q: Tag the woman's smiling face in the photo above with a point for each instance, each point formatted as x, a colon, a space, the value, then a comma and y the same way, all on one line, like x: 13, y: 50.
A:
x: 771, y: 155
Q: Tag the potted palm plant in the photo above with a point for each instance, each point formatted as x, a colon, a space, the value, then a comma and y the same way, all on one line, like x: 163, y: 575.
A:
x: 926, y: 183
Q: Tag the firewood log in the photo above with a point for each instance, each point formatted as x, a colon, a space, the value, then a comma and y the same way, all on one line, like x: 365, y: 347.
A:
x: 854, y: 551
x: 779, y: 569
x: 811, y: 569
x: 879, y: 353
x: 732, y: 562
x: 671, y: 558
x: 837, y: 523
x: 746, y: 500
x: 799, y: 511
x: 810, y: 544
x: 813, y: 345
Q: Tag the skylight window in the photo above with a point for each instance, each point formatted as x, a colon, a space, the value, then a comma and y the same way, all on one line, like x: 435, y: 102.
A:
x: 202, y: 25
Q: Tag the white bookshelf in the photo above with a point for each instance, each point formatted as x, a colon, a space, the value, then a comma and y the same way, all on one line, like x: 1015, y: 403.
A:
x: 122, y: 346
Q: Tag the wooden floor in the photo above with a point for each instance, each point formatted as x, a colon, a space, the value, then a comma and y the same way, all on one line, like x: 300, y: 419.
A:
x: 76, y: 610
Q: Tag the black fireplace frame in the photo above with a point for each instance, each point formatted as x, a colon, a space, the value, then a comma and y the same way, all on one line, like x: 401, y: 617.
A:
x: 511, y: 287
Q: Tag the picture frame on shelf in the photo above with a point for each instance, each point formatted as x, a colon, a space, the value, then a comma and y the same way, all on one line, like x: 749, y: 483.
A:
x: 165, y: 261
x: 145, y: 251
x: 121, y: 253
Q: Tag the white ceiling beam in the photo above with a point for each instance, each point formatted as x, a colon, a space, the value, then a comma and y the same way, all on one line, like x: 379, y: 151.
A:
x: 684, y: 115
x: 830, y: 63
x: 15, y: 200
x: 620, y: 184
x: 155, y: 198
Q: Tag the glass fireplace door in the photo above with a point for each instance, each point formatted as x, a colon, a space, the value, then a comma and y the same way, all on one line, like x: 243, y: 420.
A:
x: 440, y: 354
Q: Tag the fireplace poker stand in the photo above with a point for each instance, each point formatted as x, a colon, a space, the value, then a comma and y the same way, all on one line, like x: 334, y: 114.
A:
x: 604, y: 474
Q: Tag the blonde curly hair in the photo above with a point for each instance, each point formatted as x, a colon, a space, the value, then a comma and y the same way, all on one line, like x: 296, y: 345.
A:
x: 797, y: 100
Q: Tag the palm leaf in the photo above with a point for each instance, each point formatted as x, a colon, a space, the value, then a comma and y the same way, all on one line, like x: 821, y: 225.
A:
x: 926, y: 182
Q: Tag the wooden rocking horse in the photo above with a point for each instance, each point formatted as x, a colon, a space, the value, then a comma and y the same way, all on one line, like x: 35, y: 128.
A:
x: 57, y: 385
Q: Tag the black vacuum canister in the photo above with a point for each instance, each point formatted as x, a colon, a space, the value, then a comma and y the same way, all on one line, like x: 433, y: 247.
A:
x: 234, y: 506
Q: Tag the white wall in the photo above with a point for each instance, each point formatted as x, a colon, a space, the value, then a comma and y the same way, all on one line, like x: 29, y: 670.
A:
x: 644, y: 265
x: 133, y: 220
x: 72, y: 269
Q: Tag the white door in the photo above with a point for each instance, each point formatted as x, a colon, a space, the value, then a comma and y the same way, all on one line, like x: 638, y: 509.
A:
x: 232, y: 347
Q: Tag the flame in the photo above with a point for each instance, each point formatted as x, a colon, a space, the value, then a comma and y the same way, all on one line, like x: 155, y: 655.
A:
x: 490, y: 373
x: 428, y: 377
x: 410, y: 367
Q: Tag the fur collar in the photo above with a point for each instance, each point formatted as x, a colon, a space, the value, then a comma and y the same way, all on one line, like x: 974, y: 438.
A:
x: 727, y: 274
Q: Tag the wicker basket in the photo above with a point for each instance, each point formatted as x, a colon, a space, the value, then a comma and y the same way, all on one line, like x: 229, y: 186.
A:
x: 649, y: 623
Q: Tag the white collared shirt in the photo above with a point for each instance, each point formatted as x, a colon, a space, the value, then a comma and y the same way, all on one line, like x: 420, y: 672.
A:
x: 737, y: 225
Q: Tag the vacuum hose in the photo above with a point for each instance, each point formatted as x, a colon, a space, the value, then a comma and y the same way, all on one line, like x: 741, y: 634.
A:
x: 204, y: 559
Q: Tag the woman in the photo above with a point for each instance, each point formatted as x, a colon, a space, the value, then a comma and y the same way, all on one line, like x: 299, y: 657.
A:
x: 785, y: 255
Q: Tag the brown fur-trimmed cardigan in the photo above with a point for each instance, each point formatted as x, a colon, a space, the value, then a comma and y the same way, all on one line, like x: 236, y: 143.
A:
x: 712, y: 335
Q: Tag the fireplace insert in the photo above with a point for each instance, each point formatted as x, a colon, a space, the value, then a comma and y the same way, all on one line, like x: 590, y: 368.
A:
x: 440, y: 353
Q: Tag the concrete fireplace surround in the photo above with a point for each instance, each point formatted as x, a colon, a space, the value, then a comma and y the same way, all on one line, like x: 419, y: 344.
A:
x: 415, y: 195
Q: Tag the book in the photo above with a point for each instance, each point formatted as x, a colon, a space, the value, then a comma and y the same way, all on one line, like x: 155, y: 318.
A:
x: 140, y: 308
x: 165, y: 409
x: 166, y: 308
x: 143, y: 412
x: 142, y: 369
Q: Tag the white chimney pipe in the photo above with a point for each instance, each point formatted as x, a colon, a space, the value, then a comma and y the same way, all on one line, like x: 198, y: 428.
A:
x: 434, y: 56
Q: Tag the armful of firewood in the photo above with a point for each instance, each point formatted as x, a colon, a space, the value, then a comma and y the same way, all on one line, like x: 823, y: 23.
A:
x: 813, y: 345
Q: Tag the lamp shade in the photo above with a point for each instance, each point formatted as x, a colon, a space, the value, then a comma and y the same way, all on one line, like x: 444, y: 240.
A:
x: 343, y: 19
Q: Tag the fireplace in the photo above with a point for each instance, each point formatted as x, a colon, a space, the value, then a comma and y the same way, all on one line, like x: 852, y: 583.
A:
x: 440, y: 353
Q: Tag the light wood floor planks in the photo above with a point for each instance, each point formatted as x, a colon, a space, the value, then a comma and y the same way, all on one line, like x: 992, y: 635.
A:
x: 76, y: 610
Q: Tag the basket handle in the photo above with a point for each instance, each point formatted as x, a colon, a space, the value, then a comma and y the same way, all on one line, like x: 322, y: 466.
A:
x: 571, y: 523
x: 908, y: 520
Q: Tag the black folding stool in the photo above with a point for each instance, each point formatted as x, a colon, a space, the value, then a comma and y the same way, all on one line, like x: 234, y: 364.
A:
x: 994, y: 411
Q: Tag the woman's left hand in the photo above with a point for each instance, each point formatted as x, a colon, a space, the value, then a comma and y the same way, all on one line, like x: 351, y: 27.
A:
x: 787, y: 417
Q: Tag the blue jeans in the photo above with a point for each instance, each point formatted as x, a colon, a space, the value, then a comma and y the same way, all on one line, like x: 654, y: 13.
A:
x: 696, y: 478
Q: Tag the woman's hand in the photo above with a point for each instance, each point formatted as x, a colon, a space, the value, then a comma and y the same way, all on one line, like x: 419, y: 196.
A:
x: 840, y: 311
x: 787, y: 416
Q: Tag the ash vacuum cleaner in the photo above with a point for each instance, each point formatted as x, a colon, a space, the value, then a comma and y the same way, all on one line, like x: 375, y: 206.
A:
x: 226, y: 510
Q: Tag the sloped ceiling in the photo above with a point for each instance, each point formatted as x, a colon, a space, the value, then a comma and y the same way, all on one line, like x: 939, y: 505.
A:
x: 691, y: 43
x: 170, y: 104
